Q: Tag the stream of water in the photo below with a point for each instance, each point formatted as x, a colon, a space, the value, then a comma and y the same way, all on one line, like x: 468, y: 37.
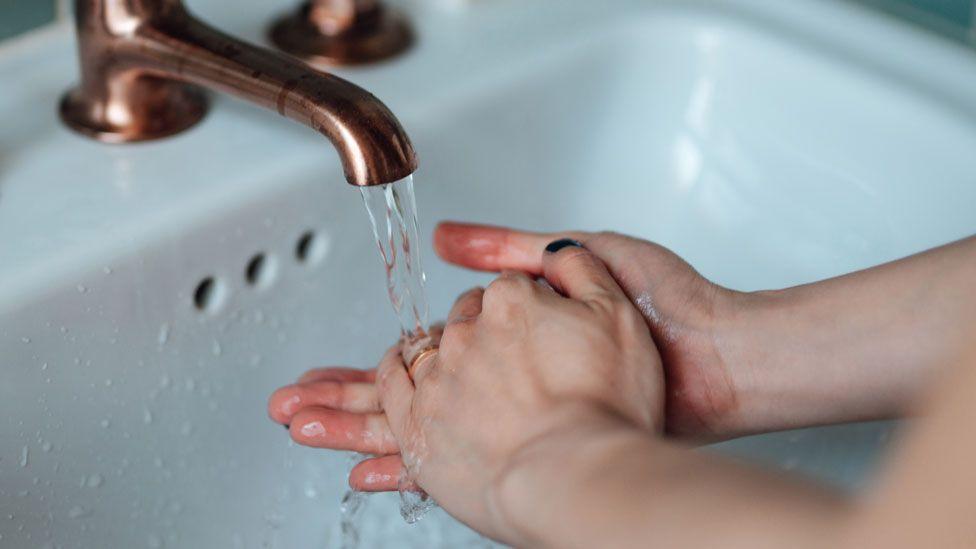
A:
x: 392, y: 211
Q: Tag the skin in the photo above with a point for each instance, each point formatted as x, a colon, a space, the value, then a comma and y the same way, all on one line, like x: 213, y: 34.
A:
x: 862, y: 346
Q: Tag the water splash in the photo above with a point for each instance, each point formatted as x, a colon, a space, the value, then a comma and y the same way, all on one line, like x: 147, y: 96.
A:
x: 349, y: 512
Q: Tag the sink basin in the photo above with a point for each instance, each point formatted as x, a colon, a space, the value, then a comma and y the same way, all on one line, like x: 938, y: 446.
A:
x: 152, y: 296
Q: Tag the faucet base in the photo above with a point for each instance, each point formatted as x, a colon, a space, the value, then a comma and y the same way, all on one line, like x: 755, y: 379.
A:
x: 388, y: 35
x: 149, y: 108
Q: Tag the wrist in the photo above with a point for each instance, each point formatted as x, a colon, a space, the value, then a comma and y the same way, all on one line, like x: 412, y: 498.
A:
x: 790, y: 351
x: 543, y: 481
x: 755, y: 339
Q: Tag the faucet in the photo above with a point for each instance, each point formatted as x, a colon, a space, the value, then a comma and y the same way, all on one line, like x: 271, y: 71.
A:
x: 143, y: 63
x: 342, y: 32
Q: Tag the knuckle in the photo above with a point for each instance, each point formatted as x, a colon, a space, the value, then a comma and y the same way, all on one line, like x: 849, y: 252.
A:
x: 507, y: 289
x: 578, y: 260
x: 454, y: 335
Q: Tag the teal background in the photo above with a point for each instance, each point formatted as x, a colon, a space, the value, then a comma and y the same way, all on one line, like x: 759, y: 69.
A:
x: 17, y: 16
x: 950, y: 17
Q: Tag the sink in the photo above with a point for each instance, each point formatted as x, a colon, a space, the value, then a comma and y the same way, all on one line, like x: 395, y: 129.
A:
x: 152, y: 296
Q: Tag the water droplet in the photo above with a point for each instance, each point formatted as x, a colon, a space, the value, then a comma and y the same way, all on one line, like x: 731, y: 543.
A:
x: 108, y: 382
x: 25, y: 456
x: 186, y: 428
x: 46, y: 447
x: 164, y: 381
x: 105, y: 424
x: 190, y: 384
x: 155, y: 542
x: 147, y: 417
x: 94, y: 481
x: 215, y: 348
x: 25, y: 340
x: 77, y: 512
x: 163, y: 333
x: 44, y: 366
x: 81, y: 289
x: 107, y: 270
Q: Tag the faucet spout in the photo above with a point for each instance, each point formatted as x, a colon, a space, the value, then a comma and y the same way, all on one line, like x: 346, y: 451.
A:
x: 143, y: 60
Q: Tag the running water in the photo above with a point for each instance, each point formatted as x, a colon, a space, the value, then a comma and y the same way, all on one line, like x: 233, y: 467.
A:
x: 392, y: 211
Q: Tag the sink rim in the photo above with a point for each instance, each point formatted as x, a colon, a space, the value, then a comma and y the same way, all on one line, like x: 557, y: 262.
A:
x: 851, y: 33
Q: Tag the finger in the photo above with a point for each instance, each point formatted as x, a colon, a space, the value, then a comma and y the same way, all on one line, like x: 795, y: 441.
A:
x: 395, y: 390
x: 352, y: 397
x: 339, y: 374
x: 577, y: 273
x: 337, y: 430
x: 380, y: 474
x: 412, y: 346
x: 495, y: 249
x: 467, y: 306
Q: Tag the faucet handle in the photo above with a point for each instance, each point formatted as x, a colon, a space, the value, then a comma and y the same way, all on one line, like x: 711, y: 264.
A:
x: 342, y: 32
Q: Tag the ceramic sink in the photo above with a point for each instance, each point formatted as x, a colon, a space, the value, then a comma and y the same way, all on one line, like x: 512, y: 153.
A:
x: 152, y: 296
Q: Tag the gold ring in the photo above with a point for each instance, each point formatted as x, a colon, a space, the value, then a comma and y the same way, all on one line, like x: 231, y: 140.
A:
x: 418, y: 358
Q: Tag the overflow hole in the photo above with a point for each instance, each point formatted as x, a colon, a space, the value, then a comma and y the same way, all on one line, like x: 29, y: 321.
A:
x: 308, y: 248
x: 260, y: 270
x: 208, y: 295
x: 255, y: 269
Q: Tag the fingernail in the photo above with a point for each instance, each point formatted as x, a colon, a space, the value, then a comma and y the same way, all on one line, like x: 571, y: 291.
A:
x: 557, y: 245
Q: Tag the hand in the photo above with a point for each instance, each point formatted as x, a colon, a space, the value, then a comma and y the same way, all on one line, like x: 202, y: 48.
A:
x: 518, y: 365
x: 685, y: 312
x: 338, y: 408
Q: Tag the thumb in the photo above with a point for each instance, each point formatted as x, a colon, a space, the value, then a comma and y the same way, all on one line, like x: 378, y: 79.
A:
x: 578, y: 273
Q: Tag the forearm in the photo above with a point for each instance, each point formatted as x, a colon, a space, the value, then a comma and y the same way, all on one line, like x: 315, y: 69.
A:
x: 615, y: 486
x: 856, y: 347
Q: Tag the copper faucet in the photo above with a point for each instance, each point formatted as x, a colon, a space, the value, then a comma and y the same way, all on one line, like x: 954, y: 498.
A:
x: 342, y: 32
x: 142, y: 60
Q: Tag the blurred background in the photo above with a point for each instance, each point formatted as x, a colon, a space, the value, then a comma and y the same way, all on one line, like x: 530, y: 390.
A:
x: 952, y: 18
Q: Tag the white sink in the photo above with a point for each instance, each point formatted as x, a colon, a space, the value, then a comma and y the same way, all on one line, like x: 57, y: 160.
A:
x: 770, y: 143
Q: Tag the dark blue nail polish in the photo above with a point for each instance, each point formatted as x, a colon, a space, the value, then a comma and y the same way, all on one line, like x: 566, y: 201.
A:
x: 287, y: 427
x: 554, y: 247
